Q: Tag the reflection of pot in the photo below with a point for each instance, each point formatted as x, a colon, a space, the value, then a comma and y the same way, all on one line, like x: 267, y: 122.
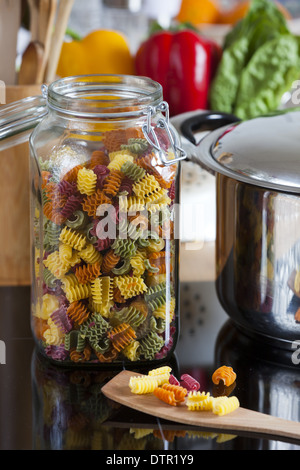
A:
x: 267, y: 380
x: 256, y: 164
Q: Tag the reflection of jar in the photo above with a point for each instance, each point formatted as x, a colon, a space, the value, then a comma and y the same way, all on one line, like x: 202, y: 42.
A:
x: 71, y: 413
x: 104, y: 182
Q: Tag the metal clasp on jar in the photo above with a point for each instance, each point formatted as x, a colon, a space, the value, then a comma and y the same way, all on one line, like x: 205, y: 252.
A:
x: 162, y: 123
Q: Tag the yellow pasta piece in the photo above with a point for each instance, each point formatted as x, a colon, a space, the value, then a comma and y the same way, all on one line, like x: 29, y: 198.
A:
x: 55, y: 265
x: 143, y: 384
x: 118, y: 159
x: 96, y: 290
x: 146, y: 186
x: 132, y: 351
x: 90, y: 255
x: 156, y: 245
x: 53, y: 336
x: 199, y: 401
x: 225, y: 406
x: 72, y: 238
x: 79, y: 292
x: 162, y: 378
x: 137, y: 262
x: 130, y: 286
x: 160, y: 371
x: 49, y: 304
x: 158, y: 198
x: 166, y: 312
x: 70, y: 280
x: 113, y: 155
x: 67, y: 256
x: 131, y: 204
x: 86, y: 181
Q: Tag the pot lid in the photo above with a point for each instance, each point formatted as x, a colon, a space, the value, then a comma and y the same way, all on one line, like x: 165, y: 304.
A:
x: 264, y: 151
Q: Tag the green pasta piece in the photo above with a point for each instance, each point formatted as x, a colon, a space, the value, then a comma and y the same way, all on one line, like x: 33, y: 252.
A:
x: 94, y: 330
x: 151, y: 345
x: 49, y: 279
x: 136, y: 233
x: 123, y: 269
x: 158, y: 301
x: 79, y: 221
x: 71, y: 340
x: 51, y: 234
x: 129, y: 315
x: 133, y: 171
x: 149, y: 267
x: 91, y: 238
x: 136, y: 145
x: 124, y: 248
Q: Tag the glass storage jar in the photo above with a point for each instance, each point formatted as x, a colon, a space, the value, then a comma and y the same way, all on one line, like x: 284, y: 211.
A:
x: 104, y: 188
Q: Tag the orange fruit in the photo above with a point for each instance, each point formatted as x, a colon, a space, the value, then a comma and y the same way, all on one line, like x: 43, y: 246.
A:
x: 198, y: 11
x: 238, y: 12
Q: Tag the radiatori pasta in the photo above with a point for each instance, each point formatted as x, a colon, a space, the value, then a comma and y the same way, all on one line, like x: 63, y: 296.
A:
x: 106, y: 296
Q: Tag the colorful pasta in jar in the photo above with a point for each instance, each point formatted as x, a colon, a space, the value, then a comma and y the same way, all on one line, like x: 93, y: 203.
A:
x: 104, y: 198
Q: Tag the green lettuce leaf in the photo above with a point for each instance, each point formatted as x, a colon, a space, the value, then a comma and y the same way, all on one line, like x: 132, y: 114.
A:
x: 267, y: 76
x: 226, y: 84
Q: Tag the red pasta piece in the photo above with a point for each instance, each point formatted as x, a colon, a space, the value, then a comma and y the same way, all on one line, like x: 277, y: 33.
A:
x: 189, y: 383
x: 173, y: 380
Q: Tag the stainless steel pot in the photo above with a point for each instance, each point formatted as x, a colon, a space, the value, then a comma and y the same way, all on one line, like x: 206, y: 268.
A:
x: 257, y: 169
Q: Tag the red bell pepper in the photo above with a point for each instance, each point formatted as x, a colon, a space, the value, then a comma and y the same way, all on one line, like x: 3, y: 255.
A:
x: 184, y: 63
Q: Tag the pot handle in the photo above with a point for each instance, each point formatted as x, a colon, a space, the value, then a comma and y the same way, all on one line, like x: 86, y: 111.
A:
x: 206, y: 121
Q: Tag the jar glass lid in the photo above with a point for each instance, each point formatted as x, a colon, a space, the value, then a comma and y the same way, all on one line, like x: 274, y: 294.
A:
x: 263, y: 151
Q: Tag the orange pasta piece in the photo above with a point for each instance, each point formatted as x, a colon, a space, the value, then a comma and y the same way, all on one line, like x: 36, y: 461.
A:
x: 78, y: 312
x: 166, y: 396
x: 118, y: 296
x: 45, y: 177
x: 224, y: 373
x: 115, y: 138
x: 121, y: 336
x: 91, y: 203
x: 87, y: 273
x: 110, y: 260
x: 53, y: 214
x: 71, y: 176
x: 113, y: 182
x: 179, y: 392
x: 107, y: 357
x: 98, y: 158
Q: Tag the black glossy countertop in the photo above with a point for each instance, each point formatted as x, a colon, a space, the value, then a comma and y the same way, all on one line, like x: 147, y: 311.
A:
x: 45, y: 407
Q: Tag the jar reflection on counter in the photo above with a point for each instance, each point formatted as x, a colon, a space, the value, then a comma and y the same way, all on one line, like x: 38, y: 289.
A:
x: 104, y: 250
x: 71, y: 413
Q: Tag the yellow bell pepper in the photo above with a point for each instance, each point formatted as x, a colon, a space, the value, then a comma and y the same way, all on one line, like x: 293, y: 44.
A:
x: 100, y: 52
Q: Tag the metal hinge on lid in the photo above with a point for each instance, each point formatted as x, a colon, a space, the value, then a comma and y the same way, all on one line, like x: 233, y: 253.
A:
x: 163, y: 123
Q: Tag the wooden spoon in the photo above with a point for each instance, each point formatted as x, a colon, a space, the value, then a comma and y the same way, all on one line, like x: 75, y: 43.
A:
x: 48, y: 15
x: 34, y: 19
x: 63, y: 14
x: 242, y: 419
x: 31, y: 64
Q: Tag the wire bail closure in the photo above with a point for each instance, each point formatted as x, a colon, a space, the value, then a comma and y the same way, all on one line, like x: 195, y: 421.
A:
x: 163, y: 123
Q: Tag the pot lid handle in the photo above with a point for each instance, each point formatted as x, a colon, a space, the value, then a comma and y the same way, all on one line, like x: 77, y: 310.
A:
x: 211, y: 120
x: 18, y: 119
